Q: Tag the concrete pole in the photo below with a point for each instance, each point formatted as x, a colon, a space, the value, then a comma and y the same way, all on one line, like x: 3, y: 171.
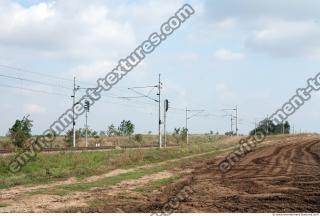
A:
x: 164, y: 125
x: 187, y: 125
x: 73, y: 114
x: 86, y: 128
x: 159, y: 94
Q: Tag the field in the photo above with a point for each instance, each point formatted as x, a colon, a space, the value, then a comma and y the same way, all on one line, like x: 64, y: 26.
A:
x: 119, y: 141
x: 281, y: 175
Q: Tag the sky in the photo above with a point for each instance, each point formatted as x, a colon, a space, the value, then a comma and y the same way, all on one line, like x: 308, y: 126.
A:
x: 251, y: 54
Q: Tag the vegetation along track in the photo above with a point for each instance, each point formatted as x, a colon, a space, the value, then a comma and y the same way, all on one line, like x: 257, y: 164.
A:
x: 284, y: 177
x: 4, y: 152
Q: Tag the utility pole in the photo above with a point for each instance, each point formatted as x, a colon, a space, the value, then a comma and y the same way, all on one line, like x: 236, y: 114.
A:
x: 73, y: 114
x: 86, y: 128
x: 231, y: 123
x: 293, y: 129
x: 159, y: 101
x: 189, y: 117
x: 87, y: 108
x: 237, y: 120
x: 187, y: 125
x: 255, y: 127
x: 142, y: 95
x: 267, y: 124
x: 166, y: 107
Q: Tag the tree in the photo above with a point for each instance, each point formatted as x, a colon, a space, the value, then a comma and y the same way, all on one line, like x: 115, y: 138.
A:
x: 180, y: 134
x: 102, y: 133
x: 176, y: 134
x: 184, y: 133
x: 20, y: 132
x: 176, y: 131
x: 272, y: 129
x: 126, y: 128
x: 112, y: 131
x: 82, y: 132
x: 230, y: 133
x: 69, y: 137
x: 94, y: 134
x: 138, y: 138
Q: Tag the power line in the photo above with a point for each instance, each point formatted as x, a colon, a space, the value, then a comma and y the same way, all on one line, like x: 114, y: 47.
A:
x: 32, y: 72
x: 34, y: 81
x: 33, y: 90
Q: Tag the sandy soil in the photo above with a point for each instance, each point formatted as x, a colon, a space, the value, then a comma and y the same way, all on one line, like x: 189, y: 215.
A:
x: 19, y: 199
x: 281, y: 176
x: 284, y: 177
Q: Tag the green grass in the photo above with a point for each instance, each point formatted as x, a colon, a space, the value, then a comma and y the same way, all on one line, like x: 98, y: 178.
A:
x: 2, y: 205
x: 103, y: 183
x: 46, y: 168
x: 156, y: 184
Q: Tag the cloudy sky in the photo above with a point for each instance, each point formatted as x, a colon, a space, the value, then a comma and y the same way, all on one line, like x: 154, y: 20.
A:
x: 249, y: 53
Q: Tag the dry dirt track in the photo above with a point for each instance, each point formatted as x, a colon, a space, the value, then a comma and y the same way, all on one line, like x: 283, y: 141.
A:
x: 284, y: 177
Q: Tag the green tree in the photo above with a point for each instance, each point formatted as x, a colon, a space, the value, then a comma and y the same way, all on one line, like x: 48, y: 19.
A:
x: 94, y: 134
x: 102, y: 133
x: 20, y: 132
x: 176, y: 131
x: 69, y: 137
x: 183, y: 134
x: 230, y: 133
x: 272, y: 129
x: 138, y: 138
x: 126, y: 128
x: 112, y: 131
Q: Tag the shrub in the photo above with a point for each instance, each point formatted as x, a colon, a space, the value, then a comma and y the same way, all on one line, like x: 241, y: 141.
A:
x: 138, y: 138
x: 20, y: 132
x: 69, y: 137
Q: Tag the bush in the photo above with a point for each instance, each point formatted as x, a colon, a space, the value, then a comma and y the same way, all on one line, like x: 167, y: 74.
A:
x: 138, y: 138
x: 6, y: 144
x: 20, y: 132
x: 69, y: 137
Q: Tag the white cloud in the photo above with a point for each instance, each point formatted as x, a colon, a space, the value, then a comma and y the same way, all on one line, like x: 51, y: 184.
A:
x: 34, y: 109
x: 223, y: 91
x: 227, y: 23
x: 59, y: 31
x: 287, y: 38
x: 227, y: 55
x: 186, y: 56
x: 90, y: 72
x: 287, y: 28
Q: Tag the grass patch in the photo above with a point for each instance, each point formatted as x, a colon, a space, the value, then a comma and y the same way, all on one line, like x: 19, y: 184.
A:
x: 155, y: 184
x: 58, y: 192
x: 46, y: 168
x: 103, y: 183
x: 2, y: 205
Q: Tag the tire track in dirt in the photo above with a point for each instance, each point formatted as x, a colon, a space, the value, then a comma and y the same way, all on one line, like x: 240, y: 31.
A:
x: 19, y: 200
x: 284, y: 177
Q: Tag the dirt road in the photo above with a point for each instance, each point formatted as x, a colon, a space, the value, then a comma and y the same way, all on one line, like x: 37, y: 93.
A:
x: 281, y: 176
x: 284, y: 177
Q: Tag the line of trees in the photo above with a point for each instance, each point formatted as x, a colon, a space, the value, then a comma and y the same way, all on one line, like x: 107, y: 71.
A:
x: 126, y: 128
x: 272, y: 129
x: 20, y: 132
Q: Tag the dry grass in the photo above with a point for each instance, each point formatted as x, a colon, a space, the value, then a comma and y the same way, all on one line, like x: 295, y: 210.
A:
x: 150, y: 140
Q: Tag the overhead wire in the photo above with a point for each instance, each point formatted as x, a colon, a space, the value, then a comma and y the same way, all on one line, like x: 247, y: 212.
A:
x: 33, y: 90
x: 35, y: 81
